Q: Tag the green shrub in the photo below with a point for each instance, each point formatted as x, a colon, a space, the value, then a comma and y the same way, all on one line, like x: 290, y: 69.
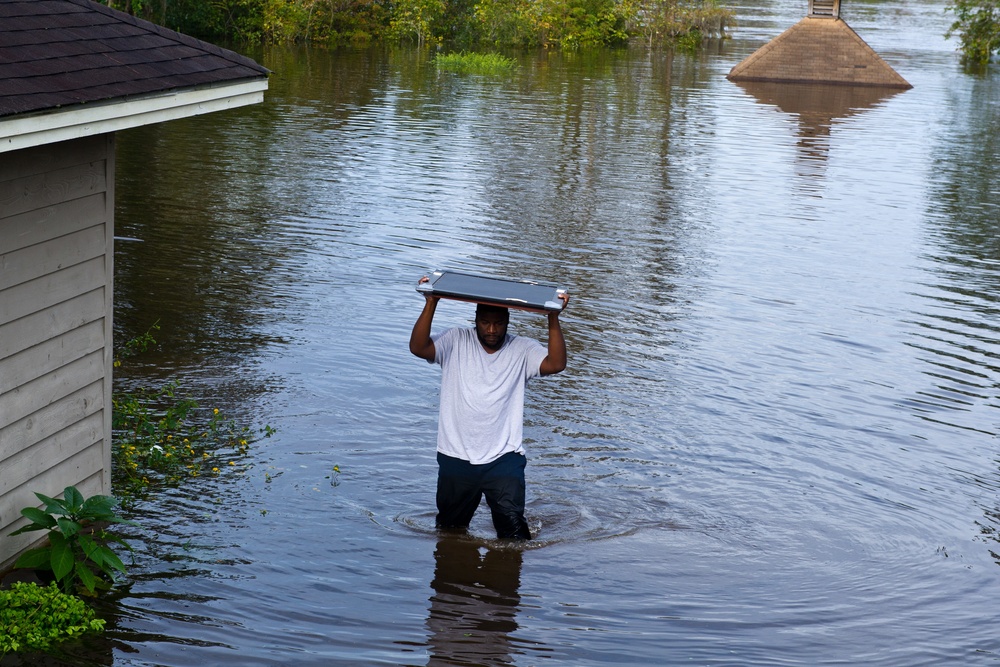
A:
x: 978, y: 26
x: 33, y: 617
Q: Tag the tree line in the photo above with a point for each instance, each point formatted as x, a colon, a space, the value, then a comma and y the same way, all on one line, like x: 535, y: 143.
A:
x: 498, y: 23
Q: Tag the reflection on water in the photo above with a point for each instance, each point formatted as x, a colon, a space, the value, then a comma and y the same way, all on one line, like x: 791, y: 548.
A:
x: 959, y: 327
x: 775, y: 441
x: 473, y: 611
x: 817, y: 107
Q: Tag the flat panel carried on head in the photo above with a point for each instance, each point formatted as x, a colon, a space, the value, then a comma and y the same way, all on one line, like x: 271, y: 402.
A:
x: 531, y: 295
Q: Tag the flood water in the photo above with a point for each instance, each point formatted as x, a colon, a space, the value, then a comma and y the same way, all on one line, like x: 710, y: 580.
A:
x: 776, y: 441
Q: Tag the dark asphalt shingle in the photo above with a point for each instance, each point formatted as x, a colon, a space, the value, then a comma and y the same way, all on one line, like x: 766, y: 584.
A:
x: 58, y: 53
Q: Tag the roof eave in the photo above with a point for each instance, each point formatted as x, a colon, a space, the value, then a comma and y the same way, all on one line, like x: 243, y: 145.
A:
x: 26, y: 131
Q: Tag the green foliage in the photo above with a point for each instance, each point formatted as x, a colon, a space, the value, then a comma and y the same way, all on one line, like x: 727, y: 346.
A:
x: 144, y: 9
x: 160, y: 437
x: 505, y: 23
x: 689, y: 42
x: 325, y: 21
x: 475, y: 63
x: 221, y: 20
x: 573, y: 23
x: 137, y: 345
x: 682, y: 22
x: 77, y: 552
x: 34, y: 618
x: 977, y: 23
x: 508, y: 23
x: 416, y: 19
x: 284, y: 22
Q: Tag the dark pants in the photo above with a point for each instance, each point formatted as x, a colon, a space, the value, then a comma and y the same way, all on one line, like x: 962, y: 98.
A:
x: 462, y: 485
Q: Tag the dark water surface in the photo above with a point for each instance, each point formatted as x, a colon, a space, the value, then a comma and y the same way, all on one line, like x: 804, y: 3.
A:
x: 776, y: 442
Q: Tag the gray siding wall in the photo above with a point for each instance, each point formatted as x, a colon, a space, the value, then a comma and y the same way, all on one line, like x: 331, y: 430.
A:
x: 56, y: 271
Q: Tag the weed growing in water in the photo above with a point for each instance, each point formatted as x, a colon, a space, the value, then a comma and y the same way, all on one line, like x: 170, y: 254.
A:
x: 475, y: 63
x: 159, y: 437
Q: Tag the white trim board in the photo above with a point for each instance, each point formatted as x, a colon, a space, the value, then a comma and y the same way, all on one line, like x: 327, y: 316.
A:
x: 91, y: 119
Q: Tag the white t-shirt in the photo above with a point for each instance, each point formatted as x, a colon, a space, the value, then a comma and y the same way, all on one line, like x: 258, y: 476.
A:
x: 482, y: 395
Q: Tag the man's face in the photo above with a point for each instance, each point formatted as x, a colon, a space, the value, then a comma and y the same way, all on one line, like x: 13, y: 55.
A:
x: 491, y: 328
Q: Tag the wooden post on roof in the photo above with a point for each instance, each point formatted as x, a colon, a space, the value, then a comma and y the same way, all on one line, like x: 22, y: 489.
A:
x: 825, y: 8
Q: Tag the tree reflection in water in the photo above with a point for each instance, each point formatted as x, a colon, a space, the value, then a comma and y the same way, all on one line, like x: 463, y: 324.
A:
x: 475, y: 602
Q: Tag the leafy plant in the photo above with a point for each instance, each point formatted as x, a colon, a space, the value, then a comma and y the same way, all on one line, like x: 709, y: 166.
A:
x: 77, y: 552
x: 35, y: 617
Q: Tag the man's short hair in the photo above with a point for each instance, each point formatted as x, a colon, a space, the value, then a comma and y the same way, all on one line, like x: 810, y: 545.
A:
x: 489, y: 309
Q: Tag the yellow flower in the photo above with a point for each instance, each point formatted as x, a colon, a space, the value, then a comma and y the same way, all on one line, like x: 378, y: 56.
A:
x: 215, y: 411
x: 232, y: 463
x: 215, y: 470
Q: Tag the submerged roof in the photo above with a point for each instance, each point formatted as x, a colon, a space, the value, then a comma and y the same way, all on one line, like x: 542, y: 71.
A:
x: 71, y: 56
x: 818, y: 50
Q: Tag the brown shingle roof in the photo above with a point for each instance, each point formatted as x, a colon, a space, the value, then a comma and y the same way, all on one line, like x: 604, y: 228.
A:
x: 58, y: 53
x: 818, y: 50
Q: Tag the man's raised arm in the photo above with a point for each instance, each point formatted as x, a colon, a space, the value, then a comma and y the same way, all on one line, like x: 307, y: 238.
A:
x: 420, y: 338
x: 555, y: 362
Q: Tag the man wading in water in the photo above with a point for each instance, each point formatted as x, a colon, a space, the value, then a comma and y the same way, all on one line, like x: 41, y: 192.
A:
x: 483, y: 375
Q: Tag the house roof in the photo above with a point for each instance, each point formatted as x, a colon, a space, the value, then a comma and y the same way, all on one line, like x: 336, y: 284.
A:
x: 79, y: 56
x: 818, y: 50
